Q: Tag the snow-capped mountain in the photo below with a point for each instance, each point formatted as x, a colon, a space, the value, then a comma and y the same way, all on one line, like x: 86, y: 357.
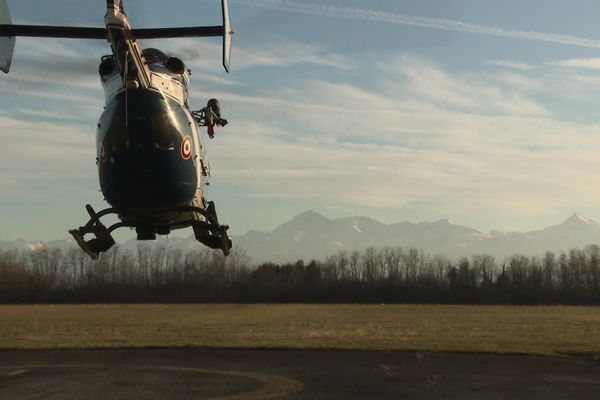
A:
x: 24, y: 245
x: 576, y: 231
x: 311, y: 235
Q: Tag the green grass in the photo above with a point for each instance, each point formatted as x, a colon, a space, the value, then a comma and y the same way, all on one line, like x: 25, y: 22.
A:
x: 479, y: 329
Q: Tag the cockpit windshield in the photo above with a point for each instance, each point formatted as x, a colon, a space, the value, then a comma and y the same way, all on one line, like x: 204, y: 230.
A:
x: 154, y: 56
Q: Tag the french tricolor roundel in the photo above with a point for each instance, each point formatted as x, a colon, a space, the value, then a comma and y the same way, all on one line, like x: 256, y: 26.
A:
x: 186, y: 148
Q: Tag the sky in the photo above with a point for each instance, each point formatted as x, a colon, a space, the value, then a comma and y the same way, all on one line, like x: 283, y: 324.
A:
x: 483, y: 112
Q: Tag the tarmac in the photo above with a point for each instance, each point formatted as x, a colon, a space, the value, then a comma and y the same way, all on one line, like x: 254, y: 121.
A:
x: 269, y: 374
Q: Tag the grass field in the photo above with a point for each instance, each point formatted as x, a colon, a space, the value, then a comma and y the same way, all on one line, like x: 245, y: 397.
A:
x: 481, y: 329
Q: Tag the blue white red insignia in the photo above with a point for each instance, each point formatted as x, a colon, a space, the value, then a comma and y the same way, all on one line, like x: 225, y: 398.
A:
x: 186, y: 148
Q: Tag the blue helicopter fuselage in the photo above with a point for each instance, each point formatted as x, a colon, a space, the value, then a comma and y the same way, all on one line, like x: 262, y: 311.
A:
x: 142, y: 166
x: 149, y: 151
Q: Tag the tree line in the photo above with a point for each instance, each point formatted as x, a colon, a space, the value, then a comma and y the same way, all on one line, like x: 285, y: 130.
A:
x: 385, y: 275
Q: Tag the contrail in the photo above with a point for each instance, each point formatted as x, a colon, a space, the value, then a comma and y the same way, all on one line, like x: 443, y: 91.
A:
x: 423, y: 22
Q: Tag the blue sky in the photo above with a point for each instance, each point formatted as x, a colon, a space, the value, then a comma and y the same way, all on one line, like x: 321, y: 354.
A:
x: 481, y: 111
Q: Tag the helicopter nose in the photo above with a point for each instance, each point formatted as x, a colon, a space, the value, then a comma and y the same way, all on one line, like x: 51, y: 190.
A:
x: 149, y: 179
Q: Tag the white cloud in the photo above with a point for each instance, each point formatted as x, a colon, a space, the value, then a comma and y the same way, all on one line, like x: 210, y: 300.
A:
x: 453, y: 144
x: 578, y: 63
x: 290, y: 53
x: 426, y: 81
x: 414, y: 135
x: 511, y: 65
x: 461, y: 141
x: 521, y: 83
x: 423, y: 22
x: 204, y: 77
x: 42, y: 150
x: 207, y: 55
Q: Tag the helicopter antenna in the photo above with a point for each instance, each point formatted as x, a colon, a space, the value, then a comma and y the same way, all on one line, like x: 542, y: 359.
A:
x: 126, y: 89
x: 8, y: 32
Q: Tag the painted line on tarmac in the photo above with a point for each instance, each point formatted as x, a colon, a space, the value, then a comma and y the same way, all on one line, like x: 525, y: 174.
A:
x: 18, y: 372
x: 272, y: 386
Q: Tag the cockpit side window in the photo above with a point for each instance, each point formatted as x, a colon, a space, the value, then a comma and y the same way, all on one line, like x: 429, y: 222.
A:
x: 154, y: 56
x: 119, y: 137
x: 165, y: 134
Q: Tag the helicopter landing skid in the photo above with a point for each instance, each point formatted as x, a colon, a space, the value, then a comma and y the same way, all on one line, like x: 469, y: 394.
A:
x: 214, y: 238
x: 208, y: 232
x: 102, y: 240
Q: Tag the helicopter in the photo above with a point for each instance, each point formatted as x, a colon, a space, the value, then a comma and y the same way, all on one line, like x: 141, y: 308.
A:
x: 150, y: 157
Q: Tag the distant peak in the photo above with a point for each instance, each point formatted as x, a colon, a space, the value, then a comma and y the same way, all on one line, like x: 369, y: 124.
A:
x: 445, y: 221
x: 578, y: 219
x: 310, y: 215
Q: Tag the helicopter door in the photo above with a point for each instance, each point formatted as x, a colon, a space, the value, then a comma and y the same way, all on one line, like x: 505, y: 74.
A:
x: 7, y: 44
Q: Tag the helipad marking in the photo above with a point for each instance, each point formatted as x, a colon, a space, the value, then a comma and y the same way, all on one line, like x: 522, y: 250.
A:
x: 18, y: 372
x: 273, y: 386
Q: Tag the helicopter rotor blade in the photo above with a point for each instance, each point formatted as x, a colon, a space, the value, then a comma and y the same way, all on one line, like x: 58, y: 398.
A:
x: 52, y: 31
x: 8, y: 33
x: 169, y: 33
x: 7, y: 42
x: 69, y: 32
x: 227, y: 34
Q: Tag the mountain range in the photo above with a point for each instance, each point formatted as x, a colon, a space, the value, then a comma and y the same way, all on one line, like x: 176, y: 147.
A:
x: 311, y: 235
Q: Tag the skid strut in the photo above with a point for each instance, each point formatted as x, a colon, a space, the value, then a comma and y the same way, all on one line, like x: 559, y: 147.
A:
x: 210, y: 233
x: 102, y: 240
